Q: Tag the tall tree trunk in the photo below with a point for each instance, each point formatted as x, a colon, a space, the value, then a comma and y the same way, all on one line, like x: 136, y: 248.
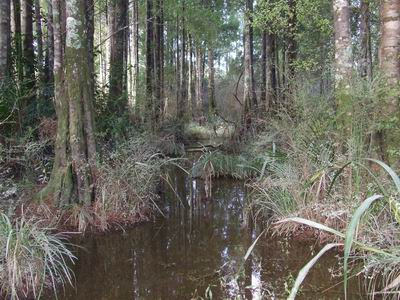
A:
x: 119, y: 13
x: 249, y: 100
x: 291, y: 50
x: 343, y: 66
x: 271, y: 73
x: 184, y: 99
x: 365, y: 40
x: 211, y: 82
x: 263, y: 95
x: 157, y: 64
x: 72, y: 179
x: 18, y: 40
x: 389, y: 64
x: 133, y: 105
x: 177, y: 67
x: 39, y: 49
x: 343, y: 49
x: 389, y: 48
x: 199, y: 81
x: 5, y: 46
x: 49, y: 60
x: 162, y: 55
x: 28, y: 52
x: 191, y: 95
x: 149, y: 63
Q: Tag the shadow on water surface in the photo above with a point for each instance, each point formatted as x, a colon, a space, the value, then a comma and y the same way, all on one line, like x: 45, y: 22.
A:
x: 199, y: 247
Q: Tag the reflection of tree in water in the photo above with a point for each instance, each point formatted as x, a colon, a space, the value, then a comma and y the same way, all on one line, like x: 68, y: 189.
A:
x: 200, y: 244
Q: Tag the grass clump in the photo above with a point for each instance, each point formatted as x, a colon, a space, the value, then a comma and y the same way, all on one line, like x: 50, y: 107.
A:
x: 218, y: 164
x: 32, y: 258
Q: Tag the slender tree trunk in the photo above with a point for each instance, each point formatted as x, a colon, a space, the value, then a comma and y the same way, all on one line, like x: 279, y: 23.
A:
x: 250, y: 100
x: 149, y: 62
x: 157, y: 64
x: 263, y: 95
x: 269, y: 88
x: 18, y: 40
x: 5, y: 41
x: 182, y: 108
x: 177, y: 67
x: 133, y: 105
x: 28, y: 52
x: 191, y: 96
x: 119, y: 12
x: 365, y: 41
x: 343, y: 49
x: 162, y: 55
x: 199, y: 80
x: 49, y: 61
x: 39, y: 49
x: 291, y: 51
x: 211, y: 82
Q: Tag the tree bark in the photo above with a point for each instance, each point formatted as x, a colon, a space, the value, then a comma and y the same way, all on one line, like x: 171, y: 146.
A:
x: 5, y: 41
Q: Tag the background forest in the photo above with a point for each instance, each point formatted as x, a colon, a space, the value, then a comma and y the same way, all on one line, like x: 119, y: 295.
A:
x: 300, y: 98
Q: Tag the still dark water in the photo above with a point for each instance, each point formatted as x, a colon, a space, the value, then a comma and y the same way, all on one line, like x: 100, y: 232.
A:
x: 196, y: 252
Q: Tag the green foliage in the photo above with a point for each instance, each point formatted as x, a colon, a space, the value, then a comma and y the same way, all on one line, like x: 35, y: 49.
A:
x: 218, y: 164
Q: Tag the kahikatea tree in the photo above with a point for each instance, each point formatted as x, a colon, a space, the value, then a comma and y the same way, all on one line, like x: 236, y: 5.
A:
x: 72, y: 178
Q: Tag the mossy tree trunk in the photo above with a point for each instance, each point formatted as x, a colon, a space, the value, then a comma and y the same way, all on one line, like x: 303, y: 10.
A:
x: 72, y: 179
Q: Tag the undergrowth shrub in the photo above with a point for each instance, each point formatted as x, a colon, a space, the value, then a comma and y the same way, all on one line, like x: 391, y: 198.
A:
x: 127, y: 182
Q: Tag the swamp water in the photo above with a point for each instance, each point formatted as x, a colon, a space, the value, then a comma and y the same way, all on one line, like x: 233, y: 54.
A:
x: 196, y: 252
